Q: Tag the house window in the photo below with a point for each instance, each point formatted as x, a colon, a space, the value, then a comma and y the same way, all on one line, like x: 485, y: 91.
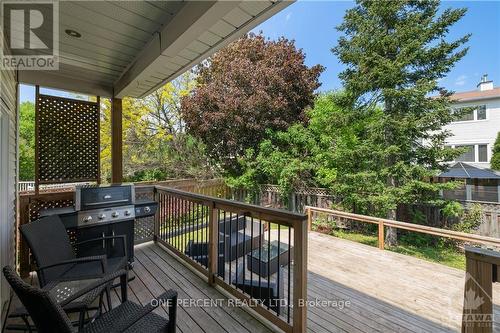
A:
x: 466, y: 116
x: 479, y: 113
x: 483, y: 153
x: 468, y: 156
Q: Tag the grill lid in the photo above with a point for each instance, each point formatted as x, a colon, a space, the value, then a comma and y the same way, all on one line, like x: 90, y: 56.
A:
x: 103, y: 196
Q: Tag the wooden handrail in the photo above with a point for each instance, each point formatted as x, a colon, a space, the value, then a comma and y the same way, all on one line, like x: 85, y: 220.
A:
x: 265, y: 215
x: 273, y: 215
x: 457, y: 235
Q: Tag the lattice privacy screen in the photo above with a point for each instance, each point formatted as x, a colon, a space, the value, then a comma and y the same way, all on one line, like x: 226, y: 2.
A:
x: 67, y: 140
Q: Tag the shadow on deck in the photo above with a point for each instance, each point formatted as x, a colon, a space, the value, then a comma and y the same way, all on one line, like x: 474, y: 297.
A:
x: 381, y: 291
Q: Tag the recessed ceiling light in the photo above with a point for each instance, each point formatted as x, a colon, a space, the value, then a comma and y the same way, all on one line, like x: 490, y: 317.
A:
x: 73, y: 33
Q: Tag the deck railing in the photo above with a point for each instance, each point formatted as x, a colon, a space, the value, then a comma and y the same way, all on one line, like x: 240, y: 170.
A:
x: 314, y: 212
x: 257, y: 254
x: 31, y: 204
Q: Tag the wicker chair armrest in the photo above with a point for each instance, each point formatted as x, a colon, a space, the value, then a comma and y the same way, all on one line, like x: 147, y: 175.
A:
x: 105, y: 280
x: 168, y: 298
x: 102, y: 259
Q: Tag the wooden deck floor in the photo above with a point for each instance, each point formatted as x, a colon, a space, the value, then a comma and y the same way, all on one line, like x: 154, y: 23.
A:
x: 386, y: 291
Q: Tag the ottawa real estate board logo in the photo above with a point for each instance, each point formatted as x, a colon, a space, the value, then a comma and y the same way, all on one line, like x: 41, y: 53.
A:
x: 30, y: 35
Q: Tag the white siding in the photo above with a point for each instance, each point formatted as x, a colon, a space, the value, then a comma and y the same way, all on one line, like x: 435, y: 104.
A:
x: 477, y: 131
x: 8, y: 174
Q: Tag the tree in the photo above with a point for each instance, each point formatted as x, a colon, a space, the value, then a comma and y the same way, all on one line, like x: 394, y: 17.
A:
x: 251, y: 86
x: 495, y: 159
x: 155, y: 145
x: 27, y: 141
x: 394, y: 55
x: 311, y: 155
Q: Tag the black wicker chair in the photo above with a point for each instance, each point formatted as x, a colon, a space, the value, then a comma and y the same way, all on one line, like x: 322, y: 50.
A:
x: 56, y: 259
x: 55, y: 256
x: 49, y: 316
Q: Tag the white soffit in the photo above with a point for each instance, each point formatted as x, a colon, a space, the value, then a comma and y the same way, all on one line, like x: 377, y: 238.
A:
x: 131, y: 48
x: 197, y: 31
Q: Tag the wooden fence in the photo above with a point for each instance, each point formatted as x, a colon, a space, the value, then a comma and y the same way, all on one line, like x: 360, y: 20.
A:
x: 313, y: 212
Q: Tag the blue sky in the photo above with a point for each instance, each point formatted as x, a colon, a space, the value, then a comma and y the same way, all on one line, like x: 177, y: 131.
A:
x: 312, y: 25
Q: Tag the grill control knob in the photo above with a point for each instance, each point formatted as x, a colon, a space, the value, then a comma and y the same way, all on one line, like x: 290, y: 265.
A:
x: 87, y: 219
x: 114, y: 214
x: 127, y: 213
x: 102, y: 216
x: 147, y: 209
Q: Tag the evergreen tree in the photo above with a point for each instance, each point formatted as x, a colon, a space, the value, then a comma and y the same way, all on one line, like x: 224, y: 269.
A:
x: 394, y: 53
x: 495, y: 159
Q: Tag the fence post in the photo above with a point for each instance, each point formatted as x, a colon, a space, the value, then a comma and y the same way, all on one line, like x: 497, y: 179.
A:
x: 158, y: 216
x: 213, y: 219
x: 381, y: 235
x: 309, y: 219
x: 300, y: 276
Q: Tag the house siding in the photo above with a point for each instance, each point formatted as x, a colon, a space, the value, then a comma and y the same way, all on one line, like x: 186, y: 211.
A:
x: 8, y: 174
x: 477, y: 131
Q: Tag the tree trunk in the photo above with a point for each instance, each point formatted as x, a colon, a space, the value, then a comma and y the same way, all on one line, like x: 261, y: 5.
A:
x: 391, y: 234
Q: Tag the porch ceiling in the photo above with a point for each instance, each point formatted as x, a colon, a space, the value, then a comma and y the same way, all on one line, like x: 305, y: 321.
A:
x: 130, y: 48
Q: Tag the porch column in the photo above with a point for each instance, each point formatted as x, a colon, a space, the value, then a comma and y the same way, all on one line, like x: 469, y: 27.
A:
x: 116, y: 141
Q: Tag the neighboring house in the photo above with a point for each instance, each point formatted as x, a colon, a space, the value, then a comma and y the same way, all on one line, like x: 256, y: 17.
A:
x: 478, y: 128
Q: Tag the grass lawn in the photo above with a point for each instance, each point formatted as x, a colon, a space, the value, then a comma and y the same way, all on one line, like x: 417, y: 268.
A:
x: 181, y: 241
x: 445, y: 255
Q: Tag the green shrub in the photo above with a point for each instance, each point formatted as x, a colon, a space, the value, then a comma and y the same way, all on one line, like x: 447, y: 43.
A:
x: 471, y: 219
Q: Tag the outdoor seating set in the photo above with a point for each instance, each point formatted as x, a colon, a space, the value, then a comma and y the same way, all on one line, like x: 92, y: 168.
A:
x: 240, y: 238
x: 71, y: 280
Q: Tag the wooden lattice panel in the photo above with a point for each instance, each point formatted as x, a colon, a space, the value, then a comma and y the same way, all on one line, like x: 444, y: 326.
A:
x: 67, y: 140
x: 36, y: 206
x: 144, y: 228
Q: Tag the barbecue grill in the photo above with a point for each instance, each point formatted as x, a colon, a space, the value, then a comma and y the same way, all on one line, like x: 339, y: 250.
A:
x: 104, y: 210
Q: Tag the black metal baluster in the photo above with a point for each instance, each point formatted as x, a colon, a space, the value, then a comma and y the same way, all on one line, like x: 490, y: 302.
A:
x: 166, y: 213
x: 205, y: 232
x: 166, y: 230
x: 184, y: 224
x: 224, y: 246
x: 161, y: 216
x: 190, y: 228
x: 164, y: 221
x: 260, y: 260
x: 197, y: 225
x: 278, y: 276
x: 244, y: 248
x: 230, y: 249
x: 237, y: 244
x: 268, y: 264
x: 179, y: 235
x: 169, y: 214
x: 289, y: 270
x: 251, y: 254
x: 218, y: 249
